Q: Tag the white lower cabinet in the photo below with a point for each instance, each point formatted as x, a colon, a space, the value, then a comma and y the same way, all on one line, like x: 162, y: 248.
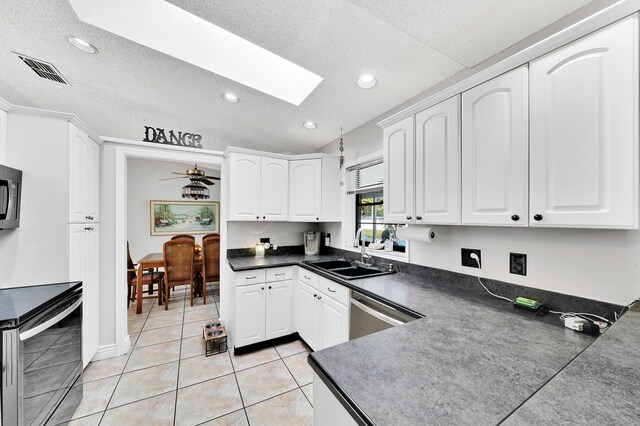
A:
x: 263, y: 311
x: 321, y: 320
x: 83, y: 266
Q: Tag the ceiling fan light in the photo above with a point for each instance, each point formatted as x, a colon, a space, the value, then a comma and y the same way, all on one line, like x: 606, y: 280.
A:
x: 195, y: 190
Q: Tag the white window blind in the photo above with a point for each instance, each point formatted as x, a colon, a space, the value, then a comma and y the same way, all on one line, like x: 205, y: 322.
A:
x: 368, y: 177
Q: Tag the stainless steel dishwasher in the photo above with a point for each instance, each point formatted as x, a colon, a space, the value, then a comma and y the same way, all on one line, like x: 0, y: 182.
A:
x: 369, y: 316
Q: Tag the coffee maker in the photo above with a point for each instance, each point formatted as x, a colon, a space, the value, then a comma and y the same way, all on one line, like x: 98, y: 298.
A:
x: 312, y: 242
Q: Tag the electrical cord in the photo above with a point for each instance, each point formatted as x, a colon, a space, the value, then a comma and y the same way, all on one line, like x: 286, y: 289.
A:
x: 475, y: 257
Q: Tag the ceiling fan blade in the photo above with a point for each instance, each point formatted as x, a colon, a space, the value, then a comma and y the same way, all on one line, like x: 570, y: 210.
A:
x: 180, y: 177
x: 212, y: 177
x: 176, y: 173
x: 207, y: 182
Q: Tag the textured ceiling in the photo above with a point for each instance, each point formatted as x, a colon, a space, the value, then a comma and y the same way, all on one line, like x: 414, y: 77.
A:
x: 408, y: 45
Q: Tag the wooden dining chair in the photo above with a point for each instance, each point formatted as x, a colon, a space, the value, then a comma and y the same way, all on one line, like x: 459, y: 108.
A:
x: 179, y: 236
x: 178, y: 266
x: 150, y: 278
x: 210, y: 261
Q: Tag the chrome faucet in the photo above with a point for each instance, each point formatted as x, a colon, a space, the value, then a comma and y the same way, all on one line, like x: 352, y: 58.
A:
x: 364, y: 256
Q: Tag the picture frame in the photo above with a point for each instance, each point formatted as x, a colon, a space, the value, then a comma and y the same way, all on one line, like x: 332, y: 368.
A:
x: 184, y: 217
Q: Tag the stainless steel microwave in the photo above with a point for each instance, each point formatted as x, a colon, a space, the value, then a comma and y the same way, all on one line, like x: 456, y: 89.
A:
x: 10, y: 196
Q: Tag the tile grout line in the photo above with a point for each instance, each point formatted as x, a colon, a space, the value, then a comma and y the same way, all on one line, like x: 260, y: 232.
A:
x: 175, y: 405
x: 294, y: 377
x: 104, y: 412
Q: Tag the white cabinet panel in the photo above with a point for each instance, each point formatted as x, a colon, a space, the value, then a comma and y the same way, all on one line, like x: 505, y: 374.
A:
x: 495, y: 138
x: 307, y: 308
x: 244, y: 186
x: 279, y: 309
x: 398, y: 145
x: 83, y: 266
x: 3, y: 136
x: 305, y: 186
x: 438, y: 163
x: 274, y: 189
x: 84, y: 177
x: 250, y: 314
x: 584, y: 131
x: 334, y: 320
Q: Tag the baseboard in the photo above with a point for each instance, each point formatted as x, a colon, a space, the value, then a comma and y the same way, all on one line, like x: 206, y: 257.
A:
x: 105, y: 351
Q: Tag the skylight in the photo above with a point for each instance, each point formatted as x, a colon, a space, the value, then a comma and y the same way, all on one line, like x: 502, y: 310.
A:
x: 178, y: 33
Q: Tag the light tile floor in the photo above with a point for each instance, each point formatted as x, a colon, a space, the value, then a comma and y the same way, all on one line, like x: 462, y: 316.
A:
x: 167, y: 380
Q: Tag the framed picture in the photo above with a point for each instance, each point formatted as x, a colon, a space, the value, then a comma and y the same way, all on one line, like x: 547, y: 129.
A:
x: 184, y: 217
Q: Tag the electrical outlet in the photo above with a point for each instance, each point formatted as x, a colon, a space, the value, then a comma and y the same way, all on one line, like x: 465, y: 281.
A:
x: 467, y: 260
x: 518, y: 263
x: 265, y: 240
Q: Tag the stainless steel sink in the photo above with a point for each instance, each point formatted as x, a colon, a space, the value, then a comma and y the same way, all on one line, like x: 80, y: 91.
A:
x: 349, y: 270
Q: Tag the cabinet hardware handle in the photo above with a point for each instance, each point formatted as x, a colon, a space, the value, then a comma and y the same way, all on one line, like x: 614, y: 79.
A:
x: 251, y: 278
x: 262, y: 288
x: 319, y: 297
x: 317, y: 218
x: 264, y: 217
x: 538, y: 217
x: 315, y: 295
x: 279, y: 275
x: 418, y: 217
x: 306, y: 277
x: 408, y: 217
x: 88, y: 228
x: 269, y: 287
x: 515, y: 217
x: 332, y: 291
x: 257, y: 217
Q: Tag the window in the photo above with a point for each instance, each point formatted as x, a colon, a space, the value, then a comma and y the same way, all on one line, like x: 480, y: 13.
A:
x: 369, y: 207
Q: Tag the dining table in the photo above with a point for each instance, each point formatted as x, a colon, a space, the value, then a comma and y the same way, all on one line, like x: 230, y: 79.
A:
x: 153, y: 261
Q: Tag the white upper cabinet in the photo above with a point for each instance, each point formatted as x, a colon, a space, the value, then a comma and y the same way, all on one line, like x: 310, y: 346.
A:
x: 244, y: 186
x: 584, y: 131
x: 495, y: 137
x: 437, y: 165
x: 274, y: 189
x: 3, y: 135
x: 399, y: 147
x: 84, y: 177
x: 305, y: 190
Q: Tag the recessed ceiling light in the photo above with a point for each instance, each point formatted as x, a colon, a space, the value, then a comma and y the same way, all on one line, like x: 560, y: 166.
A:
x: 309, y: 125
x: 79, y: 43
x: 366, y: 81
x: 190, y: 38
x: 230, y: 97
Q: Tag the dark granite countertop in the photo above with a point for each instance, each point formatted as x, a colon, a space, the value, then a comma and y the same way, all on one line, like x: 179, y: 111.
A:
x: 472, y: 359
x: 252, y: 262
x: 601, y: 386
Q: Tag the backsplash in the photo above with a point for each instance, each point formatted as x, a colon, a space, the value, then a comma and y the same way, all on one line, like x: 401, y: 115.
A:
x: 249, y: 252
x: 469, y: 283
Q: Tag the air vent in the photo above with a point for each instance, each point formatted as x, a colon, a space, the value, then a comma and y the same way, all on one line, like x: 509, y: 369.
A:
x: 43, y: 69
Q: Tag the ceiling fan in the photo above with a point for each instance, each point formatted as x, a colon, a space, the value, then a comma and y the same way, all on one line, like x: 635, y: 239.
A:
x: 196, y: 189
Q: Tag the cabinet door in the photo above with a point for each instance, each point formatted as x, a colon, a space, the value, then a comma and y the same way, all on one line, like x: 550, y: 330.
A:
x: 3, y: 136
x: 307, y: 314
x: 584, y: 131
x: 305, y: 190
x: 91, y: 292
x: 279, y: 309
x: 250, y: 314
x: 495, y: 158
x: 244, y: 186
x: 438, y: 164
x: 78, y: 146
x: 398, y: 145
x: 83, y: 266
x: 274, y: 189
x: 334, y: 322
x: 92, y: 184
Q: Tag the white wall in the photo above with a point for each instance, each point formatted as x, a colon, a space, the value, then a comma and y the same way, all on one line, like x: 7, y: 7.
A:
x: 36, y: 252
x: 143, y: 185
x: 247, y: 234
